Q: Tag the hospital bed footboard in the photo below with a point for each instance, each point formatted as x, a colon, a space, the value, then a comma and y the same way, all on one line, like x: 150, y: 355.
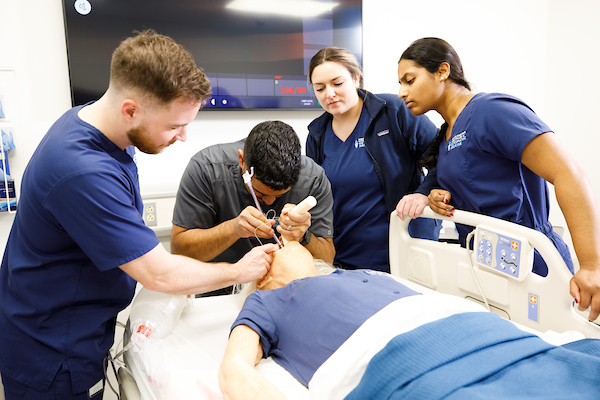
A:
x: 496, y: 271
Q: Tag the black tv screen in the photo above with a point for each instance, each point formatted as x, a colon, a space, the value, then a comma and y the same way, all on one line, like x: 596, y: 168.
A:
x: 254, y: 60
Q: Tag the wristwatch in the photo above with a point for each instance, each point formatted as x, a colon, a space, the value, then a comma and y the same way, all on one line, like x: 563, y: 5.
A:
x: 306, y: 238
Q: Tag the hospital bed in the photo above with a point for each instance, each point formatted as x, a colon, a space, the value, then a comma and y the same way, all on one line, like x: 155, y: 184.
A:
x: 184, y: 364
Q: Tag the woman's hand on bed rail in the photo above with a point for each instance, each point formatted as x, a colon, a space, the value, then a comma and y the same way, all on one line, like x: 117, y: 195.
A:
x: 585, y: 289
x: 439, y: 202
x: 411, y: 205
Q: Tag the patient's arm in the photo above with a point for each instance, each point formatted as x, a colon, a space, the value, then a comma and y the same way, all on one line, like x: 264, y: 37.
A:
x: 238, y: 378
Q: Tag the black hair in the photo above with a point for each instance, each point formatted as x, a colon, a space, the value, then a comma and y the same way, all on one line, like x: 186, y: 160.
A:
x: 430, y: 53
x: 273, y: 149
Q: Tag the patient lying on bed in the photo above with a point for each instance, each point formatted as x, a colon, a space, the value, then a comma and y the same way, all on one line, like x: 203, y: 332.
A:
x: 310, y: 325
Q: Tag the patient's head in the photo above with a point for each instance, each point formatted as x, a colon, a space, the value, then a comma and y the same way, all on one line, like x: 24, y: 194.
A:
x: 289, y: 263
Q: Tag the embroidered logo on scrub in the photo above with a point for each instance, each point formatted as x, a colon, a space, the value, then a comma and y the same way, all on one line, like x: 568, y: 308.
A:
x: 457, y: 140
x: 359, y: 143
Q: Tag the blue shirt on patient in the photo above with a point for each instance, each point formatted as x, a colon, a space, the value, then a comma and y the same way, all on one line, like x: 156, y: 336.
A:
x: 301, y: 324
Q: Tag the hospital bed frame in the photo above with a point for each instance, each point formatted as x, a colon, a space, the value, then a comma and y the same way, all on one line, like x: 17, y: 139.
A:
x: 430, y: 265
x: 541, y: 303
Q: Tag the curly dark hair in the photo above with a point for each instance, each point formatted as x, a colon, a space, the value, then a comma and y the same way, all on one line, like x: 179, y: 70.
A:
x: 273, y: 149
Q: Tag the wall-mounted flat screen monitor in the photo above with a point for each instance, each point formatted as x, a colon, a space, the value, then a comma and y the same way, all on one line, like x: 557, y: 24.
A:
x: 255, y: 59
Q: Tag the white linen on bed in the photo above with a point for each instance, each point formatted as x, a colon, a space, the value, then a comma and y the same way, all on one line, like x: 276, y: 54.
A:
x: 184, y: 364
x: 344, y: 369
x: 342, y: 372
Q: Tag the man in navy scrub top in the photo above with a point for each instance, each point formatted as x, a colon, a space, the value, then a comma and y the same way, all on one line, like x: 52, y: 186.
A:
x: 79, y: 244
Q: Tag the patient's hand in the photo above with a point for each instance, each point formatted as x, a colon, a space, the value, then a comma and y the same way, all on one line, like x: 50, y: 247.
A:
x: 411, y: 205
x: 585, y: 289
x: 439, y: 202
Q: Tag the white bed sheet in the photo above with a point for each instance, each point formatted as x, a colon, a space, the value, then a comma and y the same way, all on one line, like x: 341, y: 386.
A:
x: 184, y: 365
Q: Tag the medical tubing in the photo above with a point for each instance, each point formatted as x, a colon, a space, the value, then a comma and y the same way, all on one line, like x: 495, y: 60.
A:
x: 256, y: 202
x: 469, y: 236
x: 105, y: 366
x: 247, y: 180
x: 115, y: 360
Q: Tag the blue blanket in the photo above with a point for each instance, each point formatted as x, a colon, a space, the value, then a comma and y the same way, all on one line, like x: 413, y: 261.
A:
x: 480, y: 356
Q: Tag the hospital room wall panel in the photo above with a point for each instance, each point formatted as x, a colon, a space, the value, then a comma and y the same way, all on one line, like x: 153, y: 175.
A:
x: 499, y: 43
x: 160, y: 174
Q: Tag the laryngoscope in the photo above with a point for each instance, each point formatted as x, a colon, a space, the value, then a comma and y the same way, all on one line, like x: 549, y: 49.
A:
x: 247, y: 175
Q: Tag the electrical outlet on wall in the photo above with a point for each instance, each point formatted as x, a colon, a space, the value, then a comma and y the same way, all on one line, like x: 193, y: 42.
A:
x: 150, y: 213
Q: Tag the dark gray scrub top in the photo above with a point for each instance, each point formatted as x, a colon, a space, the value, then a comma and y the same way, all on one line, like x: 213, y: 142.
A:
x: 212, y: 191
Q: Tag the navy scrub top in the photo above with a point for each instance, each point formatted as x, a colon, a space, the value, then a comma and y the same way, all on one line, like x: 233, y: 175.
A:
x: 481, y: 166
x: 359, y: 212
x: 79, y: 218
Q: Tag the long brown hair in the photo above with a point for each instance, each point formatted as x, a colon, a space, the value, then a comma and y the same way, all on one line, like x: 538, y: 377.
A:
x: 338, y: 55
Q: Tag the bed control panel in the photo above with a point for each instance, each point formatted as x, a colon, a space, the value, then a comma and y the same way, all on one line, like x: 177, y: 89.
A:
x: 507, y: 254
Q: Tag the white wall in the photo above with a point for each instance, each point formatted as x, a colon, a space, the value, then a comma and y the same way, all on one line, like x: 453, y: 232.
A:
x: 30, y: 46
x: 539, y: 50
x: 160, y: 174
x: 499, y: 43
x: 572, y: 86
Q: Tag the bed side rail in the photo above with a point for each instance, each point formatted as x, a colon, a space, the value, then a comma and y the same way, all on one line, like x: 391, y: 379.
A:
x: 542, y: 303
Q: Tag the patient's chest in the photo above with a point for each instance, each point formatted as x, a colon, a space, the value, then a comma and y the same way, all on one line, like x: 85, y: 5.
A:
x: 306, y: 321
